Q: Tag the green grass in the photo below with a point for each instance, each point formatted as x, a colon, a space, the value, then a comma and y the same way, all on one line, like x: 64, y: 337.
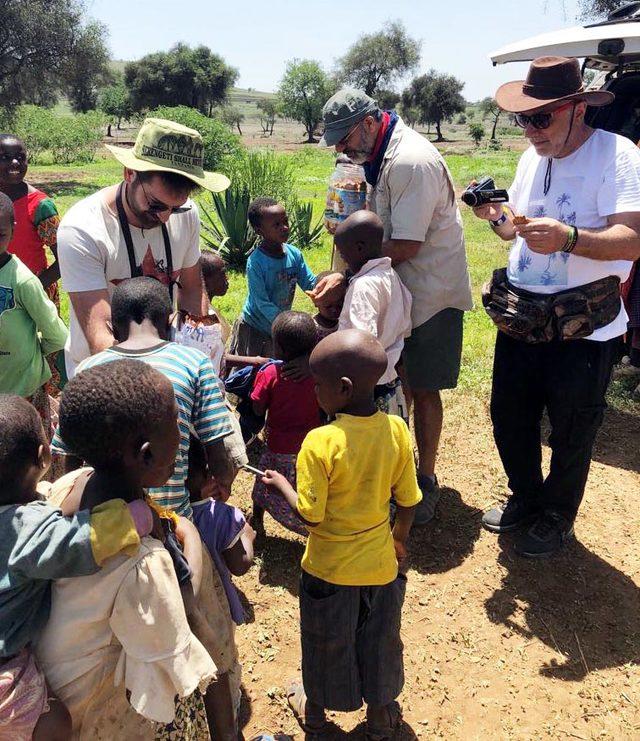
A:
x: 314, y: 166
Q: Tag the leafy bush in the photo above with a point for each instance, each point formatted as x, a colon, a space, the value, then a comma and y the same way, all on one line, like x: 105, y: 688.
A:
x: 462, y: 119
x: 220, y: 144
x: 494, y: 145
x: 64, y: 139
x: 476, y: 132
x: 264, y: 173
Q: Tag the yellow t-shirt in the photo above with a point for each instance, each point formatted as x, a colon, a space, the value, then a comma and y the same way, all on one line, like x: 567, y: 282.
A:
x: 347, y: 472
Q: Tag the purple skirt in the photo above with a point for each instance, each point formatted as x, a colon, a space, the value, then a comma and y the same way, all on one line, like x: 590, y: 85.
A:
x: 273, y: 503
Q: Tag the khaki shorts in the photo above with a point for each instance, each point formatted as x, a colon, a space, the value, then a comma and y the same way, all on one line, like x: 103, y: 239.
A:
x: 432, y: 354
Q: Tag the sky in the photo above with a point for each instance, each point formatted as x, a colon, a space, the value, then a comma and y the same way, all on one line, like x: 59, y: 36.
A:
x: 258, y: 37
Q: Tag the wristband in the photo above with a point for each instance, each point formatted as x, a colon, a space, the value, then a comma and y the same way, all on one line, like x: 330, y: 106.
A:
x: 572, y: 240
x: 501, y: 220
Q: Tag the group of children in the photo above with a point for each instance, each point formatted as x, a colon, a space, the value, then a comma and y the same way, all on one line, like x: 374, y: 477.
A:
x: 128, y: 609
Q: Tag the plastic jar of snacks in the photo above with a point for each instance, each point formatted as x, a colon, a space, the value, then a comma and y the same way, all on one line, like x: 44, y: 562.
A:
x: 347, y: 193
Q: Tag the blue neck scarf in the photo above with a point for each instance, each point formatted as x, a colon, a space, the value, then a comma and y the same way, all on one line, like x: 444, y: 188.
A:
x: 372, y: 169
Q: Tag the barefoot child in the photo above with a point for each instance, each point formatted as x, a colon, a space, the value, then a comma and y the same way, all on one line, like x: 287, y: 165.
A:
x: 376, y: 301
x: 292, y: 410
x: 118, y: 648
x: 274, y: 269
x: 30, y: 328
x: 38, y: 544
x: 350, y: 588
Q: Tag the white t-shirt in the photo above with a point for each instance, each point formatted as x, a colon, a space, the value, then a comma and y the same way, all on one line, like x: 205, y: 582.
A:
x: 599, y: 179
x: 377, y: 302
x: 93, y: 255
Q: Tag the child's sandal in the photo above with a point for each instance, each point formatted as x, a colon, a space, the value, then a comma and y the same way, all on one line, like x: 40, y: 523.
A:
x: 379, y: 732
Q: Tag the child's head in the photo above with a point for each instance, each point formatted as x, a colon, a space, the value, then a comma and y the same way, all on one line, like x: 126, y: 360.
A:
x: 358, y: 239
x: 214, y: 273
x: 346, y: 367
x: 13, y: 160
x: 137, y: 300
x: 7, y: 222
x: 24, y: 450
x: 121, y: 417
x: 269, y: 220
x: 198, y: 469
x: 294, y: 334
x: 330, y: 310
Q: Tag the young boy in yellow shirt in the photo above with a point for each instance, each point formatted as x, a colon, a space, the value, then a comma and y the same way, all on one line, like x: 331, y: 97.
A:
x: 351, y: 591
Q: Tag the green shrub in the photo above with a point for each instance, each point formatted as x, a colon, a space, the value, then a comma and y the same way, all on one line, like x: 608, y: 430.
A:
x: 265, y: 173
x: 304, y: 233
x: 220, y: 145
x: 62, y: 139
x: 462, y: 119
x: 494, y: 145
x: 227, y: 228
x: 476, y: 132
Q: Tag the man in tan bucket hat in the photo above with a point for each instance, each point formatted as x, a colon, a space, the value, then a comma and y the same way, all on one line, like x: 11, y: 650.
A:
x: 145, y: 225
x: 574, y: 221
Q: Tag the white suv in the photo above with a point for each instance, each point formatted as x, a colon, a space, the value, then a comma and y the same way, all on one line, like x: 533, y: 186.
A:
x: 612, y: 49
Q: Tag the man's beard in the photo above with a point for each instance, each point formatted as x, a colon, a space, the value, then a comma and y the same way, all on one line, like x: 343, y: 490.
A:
x: 358, y: 156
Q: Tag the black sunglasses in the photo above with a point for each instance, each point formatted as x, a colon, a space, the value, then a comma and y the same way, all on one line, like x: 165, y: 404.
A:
x: 159, y: 207
x: 538, y: 120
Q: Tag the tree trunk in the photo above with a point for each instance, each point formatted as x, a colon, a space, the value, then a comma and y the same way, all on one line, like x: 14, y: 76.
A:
x: 493, y: 130
x: 439, y: 137
x: 119, y: 122
x: 239, y: 129
x: 109, y: 129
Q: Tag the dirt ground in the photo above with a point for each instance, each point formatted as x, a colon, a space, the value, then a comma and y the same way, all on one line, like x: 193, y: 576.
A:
x: 495, y: 646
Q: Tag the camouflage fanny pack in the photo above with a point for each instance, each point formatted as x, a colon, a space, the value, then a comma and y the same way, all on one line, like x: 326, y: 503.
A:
x: 537, y: 317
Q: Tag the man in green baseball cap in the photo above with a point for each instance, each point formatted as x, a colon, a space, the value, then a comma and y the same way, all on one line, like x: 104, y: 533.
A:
x: 413, y: 194
x: 145, y: 225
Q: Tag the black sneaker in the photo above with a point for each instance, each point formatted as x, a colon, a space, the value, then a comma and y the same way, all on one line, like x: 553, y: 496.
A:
x: 426, y: 508
x: 545, y: 537
x: 514, y: 513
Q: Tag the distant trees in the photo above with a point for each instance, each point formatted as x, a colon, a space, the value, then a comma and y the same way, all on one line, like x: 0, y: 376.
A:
x: 43, y: 45
x: 377, y: 60
x: 232, y: 116
x: 437, y: 96
x: 87, y: 68
x: 268, y: 112
x: 387, y: 99
x: 490, y: 109
x: 303, y: 91
x: 114, y: 101
x: 197, y: 78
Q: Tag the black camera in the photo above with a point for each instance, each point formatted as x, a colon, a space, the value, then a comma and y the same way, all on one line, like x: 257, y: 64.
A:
x: 484, y: 192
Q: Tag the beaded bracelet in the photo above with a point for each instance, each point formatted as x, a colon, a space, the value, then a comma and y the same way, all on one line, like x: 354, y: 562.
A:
x: 572, y: 240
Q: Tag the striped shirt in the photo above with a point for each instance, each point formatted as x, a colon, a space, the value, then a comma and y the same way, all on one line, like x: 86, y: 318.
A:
x: 200, y: 405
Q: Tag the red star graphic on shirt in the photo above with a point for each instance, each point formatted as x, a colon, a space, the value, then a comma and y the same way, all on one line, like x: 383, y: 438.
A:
x: 153, y: 268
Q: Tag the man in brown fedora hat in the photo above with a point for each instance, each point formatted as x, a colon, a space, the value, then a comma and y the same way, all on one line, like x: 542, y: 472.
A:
x: 144, y: 225
x: 574, y: 219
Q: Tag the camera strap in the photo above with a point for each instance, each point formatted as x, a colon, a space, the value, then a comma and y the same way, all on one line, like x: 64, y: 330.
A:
x: 136, y: 270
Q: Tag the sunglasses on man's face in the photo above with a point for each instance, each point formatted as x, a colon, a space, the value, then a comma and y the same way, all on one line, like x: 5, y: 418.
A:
x: 157, y: 207
x: 538, y: 120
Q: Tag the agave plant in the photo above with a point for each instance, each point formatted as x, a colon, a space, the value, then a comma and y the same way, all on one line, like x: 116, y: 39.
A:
x: 228, y: 231
x: 304, y: 233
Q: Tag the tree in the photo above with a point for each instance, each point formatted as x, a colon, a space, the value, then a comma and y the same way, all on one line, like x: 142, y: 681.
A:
x: 196, y: 78
x: 476, y: 132
x: 268, y: 112
x: 387, y: 99
x: 379, y: 59
x: 303, y: 91
x: 36, y: 39
x: 437, y: 96
x: 87, y: 68
x: 232, y: 116
x: 489, y: 108
x: 115, y: 102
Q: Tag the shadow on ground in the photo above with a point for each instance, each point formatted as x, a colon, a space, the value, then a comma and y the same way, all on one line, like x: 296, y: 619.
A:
x: 449, y: 538
x: 576, y: 603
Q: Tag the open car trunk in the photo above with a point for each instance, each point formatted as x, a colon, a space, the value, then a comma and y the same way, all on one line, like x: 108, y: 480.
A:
x: 611, y: 48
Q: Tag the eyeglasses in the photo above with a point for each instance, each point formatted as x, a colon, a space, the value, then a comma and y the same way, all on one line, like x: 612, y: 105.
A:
x: 345, y: 138
x: 159, y: 207
x: 539, y: 120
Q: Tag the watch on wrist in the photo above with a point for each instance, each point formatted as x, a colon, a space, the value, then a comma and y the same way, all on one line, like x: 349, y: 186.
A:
x: 500, y: 221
